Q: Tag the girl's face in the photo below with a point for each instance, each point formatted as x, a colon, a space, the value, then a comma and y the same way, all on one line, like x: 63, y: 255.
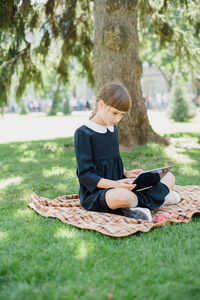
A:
x: 109, y: 115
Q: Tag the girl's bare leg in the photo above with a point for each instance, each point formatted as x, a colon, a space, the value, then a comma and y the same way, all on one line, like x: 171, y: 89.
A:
x: 173, y: 197
x: 169, y: 180
x: 120, y: 198
x: 123, y: 198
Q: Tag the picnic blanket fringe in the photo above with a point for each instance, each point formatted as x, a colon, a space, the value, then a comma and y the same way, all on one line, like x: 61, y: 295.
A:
x: 68, y: 209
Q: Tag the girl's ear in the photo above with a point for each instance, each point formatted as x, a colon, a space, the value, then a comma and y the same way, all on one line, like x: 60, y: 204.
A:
x: 101, y: 103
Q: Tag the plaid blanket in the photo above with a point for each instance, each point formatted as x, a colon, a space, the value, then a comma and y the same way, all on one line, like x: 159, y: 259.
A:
x: 69, y: 210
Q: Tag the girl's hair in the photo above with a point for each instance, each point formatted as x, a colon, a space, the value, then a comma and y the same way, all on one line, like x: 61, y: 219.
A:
x: 113, y: 94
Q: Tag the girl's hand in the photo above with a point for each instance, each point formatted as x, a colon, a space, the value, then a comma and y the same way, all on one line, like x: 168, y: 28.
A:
x: 125, y: 183
x: 133, y: 173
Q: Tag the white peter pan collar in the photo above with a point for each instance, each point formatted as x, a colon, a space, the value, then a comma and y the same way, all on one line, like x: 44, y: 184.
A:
x: 99, y: 128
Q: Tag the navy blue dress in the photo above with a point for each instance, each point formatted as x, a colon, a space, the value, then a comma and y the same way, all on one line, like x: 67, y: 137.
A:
x: 97, y: 156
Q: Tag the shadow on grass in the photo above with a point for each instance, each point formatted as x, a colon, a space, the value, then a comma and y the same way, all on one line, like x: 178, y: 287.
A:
x: 184, y: 134
x: 187, y: 145
x: 43, y: 258
x: 48, y: 167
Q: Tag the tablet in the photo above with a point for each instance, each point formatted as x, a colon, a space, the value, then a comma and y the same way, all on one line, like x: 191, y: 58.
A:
x: 147, y: 179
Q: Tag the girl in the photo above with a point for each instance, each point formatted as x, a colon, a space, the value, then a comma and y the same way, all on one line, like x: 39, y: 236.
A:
x: 104, y: 185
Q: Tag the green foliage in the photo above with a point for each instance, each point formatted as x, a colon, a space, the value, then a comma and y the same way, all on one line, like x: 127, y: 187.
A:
x: 69, y: 25
x: 23, y: 109
x: 180, y: 107
x: 57, y: 99
x: 15, y: 51
x: 169, y: 30
x: 52, y: 88
x: 66, y: 107
x: 44, y: 258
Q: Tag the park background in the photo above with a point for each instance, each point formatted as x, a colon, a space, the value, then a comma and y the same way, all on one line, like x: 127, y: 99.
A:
x: 43, y: 258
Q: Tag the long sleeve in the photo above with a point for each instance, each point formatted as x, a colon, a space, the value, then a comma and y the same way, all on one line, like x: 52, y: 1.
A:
x: 84, y: 157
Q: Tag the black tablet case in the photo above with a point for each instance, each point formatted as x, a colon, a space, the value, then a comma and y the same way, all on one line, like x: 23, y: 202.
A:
x: 150, y: 178
x: 146, y: 180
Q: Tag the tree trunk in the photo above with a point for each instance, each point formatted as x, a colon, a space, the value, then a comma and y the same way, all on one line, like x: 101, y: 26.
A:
x: 116, y: 59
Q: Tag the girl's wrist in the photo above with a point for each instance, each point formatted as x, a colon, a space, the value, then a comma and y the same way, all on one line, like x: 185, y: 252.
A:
x: 125, y: 173
x: 107, y: 183
x: 116, y: 184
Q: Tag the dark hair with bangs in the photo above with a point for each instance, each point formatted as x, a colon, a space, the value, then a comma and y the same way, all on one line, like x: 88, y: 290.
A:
x: 113, y: 94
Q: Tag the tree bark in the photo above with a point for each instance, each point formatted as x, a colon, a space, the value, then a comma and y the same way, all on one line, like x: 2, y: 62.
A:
x: 116, y: 59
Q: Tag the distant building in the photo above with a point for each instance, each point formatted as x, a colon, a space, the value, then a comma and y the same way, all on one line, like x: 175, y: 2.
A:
x: 154, y: 81
x: 155, y: 85
x: 83, y: 90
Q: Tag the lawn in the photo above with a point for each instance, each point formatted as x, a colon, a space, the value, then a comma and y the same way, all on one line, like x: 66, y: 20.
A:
x: 43, y: 258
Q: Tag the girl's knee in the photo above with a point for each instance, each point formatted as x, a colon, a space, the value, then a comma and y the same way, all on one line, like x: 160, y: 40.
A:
x: 121, y: 198
x: 169, y: 180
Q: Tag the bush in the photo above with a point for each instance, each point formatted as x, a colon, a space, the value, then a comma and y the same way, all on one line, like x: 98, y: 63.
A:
x: 66, y: 107
x: 23, y: 109
x: 180, y: 107
x: 53, y: 111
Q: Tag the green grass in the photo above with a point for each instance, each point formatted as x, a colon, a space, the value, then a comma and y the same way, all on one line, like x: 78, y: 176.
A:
x: 43, y: 258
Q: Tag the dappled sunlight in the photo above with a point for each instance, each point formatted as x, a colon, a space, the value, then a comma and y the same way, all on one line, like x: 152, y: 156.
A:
x: 5, y: 183
x: 3, y: 236
x: 54, y: 172
x: 189, y: 169
x: 46, y: 253
x: 147, y: 155
x: 50, y: 146
x: 83, y: 250
x: 25, y: 213
x: 186, y: 142
x: 28, y: 159
x: 71, y: 173
x: 179, y: 148
x: 64, y: 187
x: 64, y: 233
x: 178, y: 155
x: 20, y: 146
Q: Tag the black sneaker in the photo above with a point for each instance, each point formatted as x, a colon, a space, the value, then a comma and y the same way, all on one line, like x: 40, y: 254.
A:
x: 137, y: 213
